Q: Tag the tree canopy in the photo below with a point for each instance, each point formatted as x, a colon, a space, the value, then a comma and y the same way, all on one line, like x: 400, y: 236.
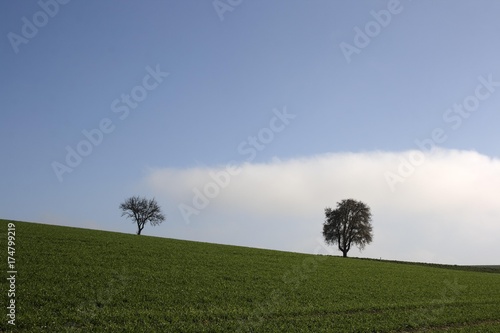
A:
x: 349, y: 223
x: 142, y: 210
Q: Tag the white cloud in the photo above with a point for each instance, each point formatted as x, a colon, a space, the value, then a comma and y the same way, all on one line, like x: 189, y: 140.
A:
x: 445, y: 210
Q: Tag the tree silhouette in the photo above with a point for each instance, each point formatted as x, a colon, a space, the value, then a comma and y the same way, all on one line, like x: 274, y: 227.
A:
x: 142, y: 210
x: 349, y: 224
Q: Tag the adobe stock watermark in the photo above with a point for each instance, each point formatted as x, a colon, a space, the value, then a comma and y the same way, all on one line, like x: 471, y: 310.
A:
x: 223, y: 6
x: 11, y: 273
x: 100, y: 299
x: 454, y: 118
x: 29, y: 28
x: 95, y: 136
x: 373, y: 28
x: 436, y: 308
x: 248, y: 148
x: 292, y: 279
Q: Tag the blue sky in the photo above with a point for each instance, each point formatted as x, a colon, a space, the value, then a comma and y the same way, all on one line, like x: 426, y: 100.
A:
x: 229, y: 74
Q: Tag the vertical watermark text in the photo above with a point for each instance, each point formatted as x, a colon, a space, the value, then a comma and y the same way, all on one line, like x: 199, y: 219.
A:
x: 12, y: 273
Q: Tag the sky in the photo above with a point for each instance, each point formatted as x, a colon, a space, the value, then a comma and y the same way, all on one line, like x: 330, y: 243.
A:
x: 246, y: 119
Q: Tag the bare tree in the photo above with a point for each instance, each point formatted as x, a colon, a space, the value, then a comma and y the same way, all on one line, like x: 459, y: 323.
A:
x: 142, y: 210
x: 349, y: 224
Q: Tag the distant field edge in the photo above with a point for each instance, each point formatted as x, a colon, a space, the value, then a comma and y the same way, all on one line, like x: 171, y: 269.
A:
x: 471, y: 268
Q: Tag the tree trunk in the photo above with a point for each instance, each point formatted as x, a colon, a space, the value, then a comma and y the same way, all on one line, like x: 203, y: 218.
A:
x: 344, y: 251
x: 140, y: 226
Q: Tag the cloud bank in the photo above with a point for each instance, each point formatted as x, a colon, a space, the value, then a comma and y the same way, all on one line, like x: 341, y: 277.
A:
x: 442, y: 206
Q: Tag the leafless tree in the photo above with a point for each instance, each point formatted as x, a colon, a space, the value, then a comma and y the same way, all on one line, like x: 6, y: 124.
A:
x: 142, y: 210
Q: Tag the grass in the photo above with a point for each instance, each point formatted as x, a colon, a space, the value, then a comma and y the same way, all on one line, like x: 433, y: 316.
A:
x: 78, y: 280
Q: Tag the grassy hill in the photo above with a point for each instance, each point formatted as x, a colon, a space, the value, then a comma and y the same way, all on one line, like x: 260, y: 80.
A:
x: 78, y: 280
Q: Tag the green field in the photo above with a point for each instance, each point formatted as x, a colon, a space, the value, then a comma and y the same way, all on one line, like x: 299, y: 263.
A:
x: 78, y: 280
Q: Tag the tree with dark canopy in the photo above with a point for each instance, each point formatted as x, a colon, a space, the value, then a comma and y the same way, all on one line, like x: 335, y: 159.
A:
x: 349, y: 224
x: 142, y: 210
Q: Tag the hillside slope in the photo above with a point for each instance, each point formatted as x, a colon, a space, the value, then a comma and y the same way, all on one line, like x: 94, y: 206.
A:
x: 78, y: 280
